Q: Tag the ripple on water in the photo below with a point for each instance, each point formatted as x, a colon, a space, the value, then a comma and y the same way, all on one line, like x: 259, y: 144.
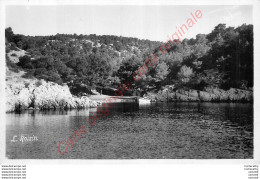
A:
x: 159, y: 130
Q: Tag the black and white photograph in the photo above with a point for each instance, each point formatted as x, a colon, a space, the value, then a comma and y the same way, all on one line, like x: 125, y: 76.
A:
x: 129, y: 89
x: 129, y: 82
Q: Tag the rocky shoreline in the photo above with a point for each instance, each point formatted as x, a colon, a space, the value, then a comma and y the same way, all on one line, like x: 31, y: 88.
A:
x: 207, y: 95
x: 39, y: 94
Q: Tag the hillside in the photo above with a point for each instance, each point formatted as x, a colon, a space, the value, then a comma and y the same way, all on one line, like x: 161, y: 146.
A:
x: 32, y: 93
x: 222, y: 59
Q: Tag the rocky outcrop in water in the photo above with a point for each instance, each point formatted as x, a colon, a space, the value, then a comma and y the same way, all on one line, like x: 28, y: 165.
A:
x: 208, y: 94
x: 42, y: 95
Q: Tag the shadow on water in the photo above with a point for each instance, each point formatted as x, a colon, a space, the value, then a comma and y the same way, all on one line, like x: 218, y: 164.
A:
x: 129, y: 130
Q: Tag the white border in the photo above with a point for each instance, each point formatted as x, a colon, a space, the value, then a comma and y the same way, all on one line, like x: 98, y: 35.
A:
x: 256, y: 20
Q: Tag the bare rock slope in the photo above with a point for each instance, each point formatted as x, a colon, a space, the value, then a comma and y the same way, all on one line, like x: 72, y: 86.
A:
x: 40, y: 94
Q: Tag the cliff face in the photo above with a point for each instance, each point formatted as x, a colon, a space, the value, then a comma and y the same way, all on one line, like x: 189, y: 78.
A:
x: 42, y: 95
x: 209, y: 94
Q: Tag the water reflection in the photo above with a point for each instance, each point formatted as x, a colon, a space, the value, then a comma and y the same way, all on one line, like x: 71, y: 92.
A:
x: 156, y: 130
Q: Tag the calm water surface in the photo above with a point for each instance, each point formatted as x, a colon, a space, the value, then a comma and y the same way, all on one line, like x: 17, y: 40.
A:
x: 158, y: 130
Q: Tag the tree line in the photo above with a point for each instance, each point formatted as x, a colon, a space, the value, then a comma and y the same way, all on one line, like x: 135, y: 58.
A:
x: 222, y: 58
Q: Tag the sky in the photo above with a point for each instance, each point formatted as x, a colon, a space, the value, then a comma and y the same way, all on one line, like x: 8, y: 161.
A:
x: 144, y: 22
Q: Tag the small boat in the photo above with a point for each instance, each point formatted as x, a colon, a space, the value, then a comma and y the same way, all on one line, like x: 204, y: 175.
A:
x: 144, y: 101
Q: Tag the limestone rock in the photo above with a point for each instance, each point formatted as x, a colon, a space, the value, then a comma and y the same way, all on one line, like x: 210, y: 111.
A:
x: 43, y: 95
x: 208, y: 94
